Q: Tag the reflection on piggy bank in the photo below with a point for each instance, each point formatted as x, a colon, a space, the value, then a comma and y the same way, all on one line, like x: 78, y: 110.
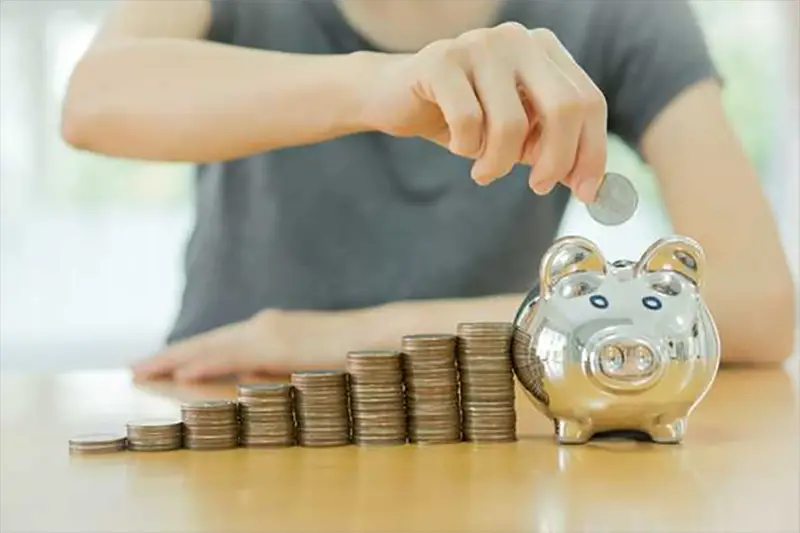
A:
x: 617, y: 346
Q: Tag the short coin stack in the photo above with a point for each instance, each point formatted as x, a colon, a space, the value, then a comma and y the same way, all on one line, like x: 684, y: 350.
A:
x: 431, y: 378
x: 266, y: 414
x: 487, y: 382
x: 96, y: 443
x: 321, y: 408
x: 210, y: 425
x: 377, y: 397
x: 154, y: 435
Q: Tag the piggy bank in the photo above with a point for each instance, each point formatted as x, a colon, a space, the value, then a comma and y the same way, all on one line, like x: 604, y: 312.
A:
x: 617, y: 346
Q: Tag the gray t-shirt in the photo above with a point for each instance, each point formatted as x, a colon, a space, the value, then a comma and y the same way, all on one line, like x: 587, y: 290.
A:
x: 368, y: 218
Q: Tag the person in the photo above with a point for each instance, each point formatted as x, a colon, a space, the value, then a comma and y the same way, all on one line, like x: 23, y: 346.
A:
x: 366, y: 169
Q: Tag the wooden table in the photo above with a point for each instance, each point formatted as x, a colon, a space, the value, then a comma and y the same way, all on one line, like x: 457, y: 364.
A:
x: 736, y: 471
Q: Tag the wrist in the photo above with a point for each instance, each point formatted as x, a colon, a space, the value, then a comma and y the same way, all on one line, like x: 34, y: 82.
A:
x: 363, y: 76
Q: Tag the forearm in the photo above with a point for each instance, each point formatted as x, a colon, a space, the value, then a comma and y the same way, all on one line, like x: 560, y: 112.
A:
x: 755, y: 324
x: 749, y: 288
x: 713, y: 194
x: 197, y: 101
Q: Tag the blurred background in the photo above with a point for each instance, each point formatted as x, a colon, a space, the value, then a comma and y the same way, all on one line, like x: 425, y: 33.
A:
x: 91, y: 247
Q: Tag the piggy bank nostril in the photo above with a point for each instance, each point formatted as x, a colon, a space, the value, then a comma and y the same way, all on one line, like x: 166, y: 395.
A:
x: 611, y: 359
x: 643, y: 358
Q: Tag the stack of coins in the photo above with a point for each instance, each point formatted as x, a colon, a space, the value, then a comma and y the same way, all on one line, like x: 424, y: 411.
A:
x: 266, y: 414
x: 377, y: 397
x: 155, y: 435
x: 210, y: 425
x: 96, y: 443
x: 321, y: 408
x: 431, y: 379
x: 487, y: 382
x: 528, y: 366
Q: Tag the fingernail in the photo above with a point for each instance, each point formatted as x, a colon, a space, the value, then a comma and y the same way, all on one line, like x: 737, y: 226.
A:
x: 483, y: 181
x: 587, y: 190
x: 542, y: 188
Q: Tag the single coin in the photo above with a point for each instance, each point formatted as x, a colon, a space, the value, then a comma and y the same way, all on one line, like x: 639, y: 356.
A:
x: 90, y: 443
x: 616, y: 200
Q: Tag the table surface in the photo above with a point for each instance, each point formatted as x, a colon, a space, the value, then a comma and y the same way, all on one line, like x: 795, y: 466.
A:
x: 737, y: 470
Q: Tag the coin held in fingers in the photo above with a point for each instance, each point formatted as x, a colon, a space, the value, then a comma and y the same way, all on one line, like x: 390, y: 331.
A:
x: 616, y: 200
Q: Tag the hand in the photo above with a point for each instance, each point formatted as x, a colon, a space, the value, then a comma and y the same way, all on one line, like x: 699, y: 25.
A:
x: 500, y: 96
x: 273, y: 343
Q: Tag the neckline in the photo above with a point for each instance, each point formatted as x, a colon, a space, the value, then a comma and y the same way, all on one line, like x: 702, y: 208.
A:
x: 332, y: 17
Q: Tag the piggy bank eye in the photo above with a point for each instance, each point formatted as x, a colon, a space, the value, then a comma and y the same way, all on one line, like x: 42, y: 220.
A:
x: 652, y: 303
x: 599, y: 301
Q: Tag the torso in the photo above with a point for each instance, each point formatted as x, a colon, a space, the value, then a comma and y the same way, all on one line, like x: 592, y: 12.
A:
x: 365, y: 219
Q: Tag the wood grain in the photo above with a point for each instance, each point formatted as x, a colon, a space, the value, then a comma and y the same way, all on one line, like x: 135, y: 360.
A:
x: 736, y: 471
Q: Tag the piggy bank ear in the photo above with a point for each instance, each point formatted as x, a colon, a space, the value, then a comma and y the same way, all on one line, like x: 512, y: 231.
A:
x: 569, y: 255
x: 675, y: 254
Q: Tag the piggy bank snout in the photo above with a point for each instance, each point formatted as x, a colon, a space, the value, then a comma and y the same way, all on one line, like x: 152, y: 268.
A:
x: 626, y: 360
x: 623, y: 362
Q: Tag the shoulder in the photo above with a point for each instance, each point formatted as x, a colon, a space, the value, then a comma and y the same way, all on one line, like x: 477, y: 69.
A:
x: 651, y: 53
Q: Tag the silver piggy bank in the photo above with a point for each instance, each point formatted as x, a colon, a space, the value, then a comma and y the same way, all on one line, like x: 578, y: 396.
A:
x: 617, y: 347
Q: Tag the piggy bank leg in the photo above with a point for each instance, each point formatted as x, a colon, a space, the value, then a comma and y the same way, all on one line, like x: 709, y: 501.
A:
x: 668, y: 432
x: 573, y: 432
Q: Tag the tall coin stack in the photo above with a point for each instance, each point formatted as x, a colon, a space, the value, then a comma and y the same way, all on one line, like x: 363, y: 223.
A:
x: 321, y: 407
x: 154, y: 435
x: 529, y: 367
x: 210, y: 425
x: 431, y: 388
x: 267, y: 415
x: 487, y: 382
x: 377, y: 397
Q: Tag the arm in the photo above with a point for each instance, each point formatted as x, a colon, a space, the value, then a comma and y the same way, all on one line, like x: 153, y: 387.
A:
x: 277, y: 342
x: 713, y: 194
x: 664, y: 101
x: 150, y: 87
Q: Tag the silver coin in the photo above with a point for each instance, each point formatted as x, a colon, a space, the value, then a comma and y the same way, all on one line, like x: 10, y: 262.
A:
x: 616, y: 201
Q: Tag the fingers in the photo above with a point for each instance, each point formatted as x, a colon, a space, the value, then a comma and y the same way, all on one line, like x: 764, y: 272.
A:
x: 533, y: 145
x: 461, y: 109
x: 557, y: 101
x: 511, y: 95
x: 215, y: 366
x: 225, y: 341
x: 590, y: 161
x: 506, y: 125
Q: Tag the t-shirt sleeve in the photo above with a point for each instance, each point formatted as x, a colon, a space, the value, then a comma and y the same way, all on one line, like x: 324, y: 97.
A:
x: 223, y: 18
x: 652, y: 51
